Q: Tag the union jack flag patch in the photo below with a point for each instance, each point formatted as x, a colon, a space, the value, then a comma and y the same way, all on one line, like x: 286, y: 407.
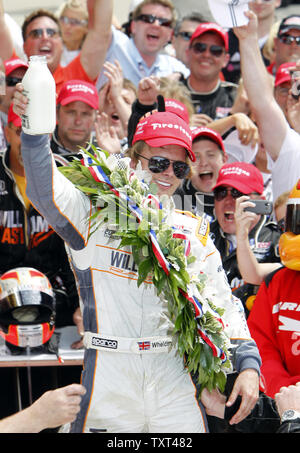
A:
x: 144, y: 345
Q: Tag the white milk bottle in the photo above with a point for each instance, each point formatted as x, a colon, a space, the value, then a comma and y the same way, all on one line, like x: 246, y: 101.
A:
x: 40, y: 89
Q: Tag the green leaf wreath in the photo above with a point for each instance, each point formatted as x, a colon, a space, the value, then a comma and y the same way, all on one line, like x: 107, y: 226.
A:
x: 209, y: 369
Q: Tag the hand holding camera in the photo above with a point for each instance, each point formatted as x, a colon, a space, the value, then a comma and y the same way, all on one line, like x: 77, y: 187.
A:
x: 246, y: 211
x: 262, y: 207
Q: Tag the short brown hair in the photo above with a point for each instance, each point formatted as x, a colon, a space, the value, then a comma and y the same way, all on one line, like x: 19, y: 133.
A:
x: 34, y: 15
x: 166, y: 3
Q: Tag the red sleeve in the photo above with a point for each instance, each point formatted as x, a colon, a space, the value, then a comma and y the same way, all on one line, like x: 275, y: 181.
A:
x: 263, y: 331
x: 74, y: 70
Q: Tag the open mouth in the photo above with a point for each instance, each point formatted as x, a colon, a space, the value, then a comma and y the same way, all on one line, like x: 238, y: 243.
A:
x: 207, y: 176
x: 205, y: 64
x: 115, y: 117
x: 152, y: 37
x: 229, y: 216
x: 45, y: 50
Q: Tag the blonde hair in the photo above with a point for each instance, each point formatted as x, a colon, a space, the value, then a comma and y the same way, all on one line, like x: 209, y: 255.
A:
x: 281, y: 199
x: 129, y: 85
x: 170, y: 88
x: 268, y: 48
x: 136, y: 149
x: 75, y: 5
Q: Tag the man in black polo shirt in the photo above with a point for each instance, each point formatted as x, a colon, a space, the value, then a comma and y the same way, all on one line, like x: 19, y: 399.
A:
x: 207, y: 55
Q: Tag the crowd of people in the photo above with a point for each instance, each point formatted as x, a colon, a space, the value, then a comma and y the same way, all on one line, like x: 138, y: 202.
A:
x: 212, y: 116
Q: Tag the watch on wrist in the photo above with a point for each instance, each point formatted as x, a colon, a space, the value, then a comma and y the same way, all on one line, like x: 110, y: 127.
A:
x: 290, y: 415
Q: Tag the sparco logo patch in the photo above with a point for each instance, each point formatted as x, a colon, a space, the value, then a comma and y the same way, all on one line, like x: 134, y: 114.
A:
x: 104, y: 343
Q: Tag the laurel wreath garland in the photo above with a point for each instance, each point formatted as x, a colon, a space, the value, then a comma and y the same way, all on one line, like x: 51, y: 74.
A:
x: 130, y: 188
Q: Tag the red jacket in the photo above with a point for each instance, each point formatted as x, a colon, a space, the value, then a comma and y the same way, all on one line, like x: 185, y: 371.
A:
x: 274, y: 323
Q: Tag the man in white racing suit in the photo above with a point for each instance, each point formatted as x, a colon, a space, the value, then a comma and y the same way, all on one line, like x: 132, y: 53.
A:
x: 134, y: 381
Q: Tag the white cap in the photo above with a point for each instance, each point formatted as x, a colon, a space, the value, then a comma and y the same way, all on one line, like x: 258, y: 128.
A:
x: 229, y: 13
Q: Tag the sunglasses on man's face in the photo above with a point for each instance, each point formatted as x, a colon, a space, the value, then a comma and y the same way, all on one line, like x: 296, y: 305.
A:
x: 221, y: 193
x: 200, y: 47
x: 12, y: 81
x: 185, y: 35
x: 288, y: 39
x: 151, y: 19
x: 37, y: 33
x: 158, y: 164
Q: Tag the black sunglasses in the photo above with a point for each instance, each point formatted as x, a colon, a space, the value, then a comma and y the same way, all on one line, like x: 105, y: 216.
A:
x: 12, y: 81
x: 37, y: 33
x: 150, y: 19
x: 186, y: 35
x: 158, y: 164
x: 221, y: 192
x: 200, y: 47
x: 288, y: 39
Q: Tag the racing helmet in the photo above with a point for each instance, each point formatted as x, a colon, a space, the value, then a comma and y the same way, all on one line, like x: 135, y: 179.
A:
x: 289, y: 243
x: 27, y: 307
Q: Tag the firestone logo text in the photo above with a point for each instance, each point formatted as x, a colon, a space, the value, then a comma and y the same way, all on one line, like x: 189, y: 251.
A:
x: 171, y: 126
x: 235, y: 171
x: 79, y: 87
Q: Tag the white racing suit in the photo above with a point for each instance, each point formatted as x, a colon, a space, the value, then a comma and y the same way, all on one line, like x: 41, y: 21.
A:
x: 134, y: 381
